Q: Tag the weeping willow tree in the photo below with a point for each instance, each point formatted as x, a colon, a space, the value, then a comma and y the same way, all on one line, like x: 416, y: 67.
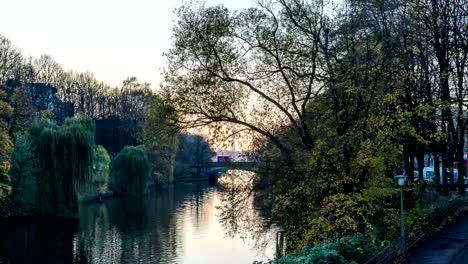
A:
x: 23, y: 171
x: 131, y: 170
x: 64, y: 158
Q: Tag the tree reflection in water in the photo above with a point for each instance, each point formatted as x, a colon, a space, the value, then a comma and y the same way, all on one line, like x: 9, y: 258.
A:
x: 46, y: 240
x: 125, y: 230
x: 178, y: 224
x: 240, y: 214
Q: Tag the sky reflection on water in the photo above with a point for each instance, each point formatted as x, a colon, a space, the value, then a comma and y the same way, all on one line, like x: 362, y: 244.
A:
x: 178, y: 224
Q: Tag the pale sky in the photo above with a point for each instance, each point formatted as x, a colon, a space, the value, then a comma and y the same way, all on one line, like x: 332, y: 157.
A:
x: 113, y: 39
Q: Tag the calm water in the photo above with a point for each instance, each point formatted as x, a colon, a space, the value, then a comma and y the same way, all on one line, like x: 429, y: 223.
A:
x: 180, y: 224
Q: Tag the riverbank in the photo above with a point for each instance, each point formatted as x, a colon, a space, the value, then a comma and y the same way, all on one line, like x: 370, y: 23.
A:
x: 37, y: 219
x: 8, y: 213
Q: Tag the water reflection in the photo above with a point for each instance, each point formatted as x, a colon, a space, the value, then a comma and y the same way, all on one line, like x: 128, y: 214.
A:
x: 240, y: 211
x: 129, y: 231
x: 175, y: 225
x: 47, y: 241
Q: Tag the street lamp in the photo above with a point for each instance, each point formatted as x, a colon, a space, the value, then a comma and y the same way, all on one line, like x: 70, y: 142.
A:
x: 401, y: 182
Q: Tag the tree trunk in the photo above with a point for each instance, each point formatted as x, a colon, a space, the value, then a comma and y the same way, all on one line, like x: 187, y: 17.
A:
x: 412, y: 167
x: 460, y: 160
x: 435, y: 154
x: 406, y: 159
x: 444, y: 169
x: 420, y: 158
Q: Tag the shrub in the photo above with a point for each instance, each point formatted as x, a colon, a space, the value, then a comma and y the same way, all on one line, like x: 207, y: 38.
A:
x: 427, y: 215
x: 350, y: 249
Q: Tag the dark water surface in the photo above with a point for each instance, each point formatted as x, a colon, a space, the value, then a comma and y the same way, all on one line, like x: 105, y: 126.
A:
x: 178, y: 224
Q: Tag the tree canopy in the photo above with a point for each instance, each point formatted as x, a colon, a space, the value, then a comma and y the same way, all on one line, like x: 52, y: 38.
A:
x: 131, y: 171
x: 160, y: 138
x: 51, y: 165
x: 5, y: 147
x: 341, y: 96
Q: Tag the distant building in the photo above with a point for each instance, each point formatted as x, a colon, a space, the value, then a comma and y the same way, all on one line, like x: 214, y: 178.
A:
x: 230, y: 156
x: 223, y: 159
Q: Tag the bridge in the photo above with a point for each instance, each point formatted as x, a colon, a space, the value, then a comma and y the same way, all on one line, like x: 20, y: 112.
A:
x: 214, y: 170
x: 249, y: 166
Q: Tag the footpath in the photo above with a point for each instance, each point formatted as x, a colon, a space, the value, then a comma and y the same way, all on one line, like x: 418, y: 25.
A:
x: 449, y: 245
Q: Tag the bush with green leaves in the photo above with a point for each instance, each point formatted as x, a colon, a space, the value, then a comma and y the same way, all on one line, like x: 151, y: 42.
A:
x: 349, y: 249
x: 131, y: 171
x: 358, y: 248
x: 427, y: 215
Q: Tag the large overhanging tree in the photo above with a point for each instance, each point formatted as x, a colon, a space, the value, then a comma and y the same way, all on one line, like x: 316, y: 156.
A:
x: 358, y: 93
x: 259, y: 68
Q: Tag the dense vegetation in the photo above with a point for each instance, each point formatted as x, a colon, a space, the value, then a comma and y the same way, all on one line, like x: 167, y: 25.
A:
x: 131, y: 171
x: 351, y: 249
x: 60, y: 130
x: 353, y: 93
x: 428, y: 215
x: 193, y: 151
x: 160, y: 139
x: 338, y: 98
x: 5, y: 146
x: 52, y: 164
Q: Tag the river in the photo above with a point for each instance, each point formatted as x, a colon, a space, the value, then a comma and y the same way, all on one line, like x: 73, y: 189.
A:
x: 177, y: 224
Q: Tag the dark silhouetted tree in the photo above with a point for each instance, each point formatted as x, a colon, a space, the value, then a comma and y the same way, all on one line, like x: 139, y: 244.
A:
x: 23, y: 111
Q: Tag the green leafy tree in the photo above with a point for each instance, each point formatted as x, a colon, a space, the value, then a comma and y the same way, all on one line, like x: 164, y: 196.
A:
x: 194, y: 152
x: 24, y: 169
x: 131, y: 171
x: 160, y: 139
x: 326, y: 93
x: 221, y: 61
x: 53, y: 164
x: 101, y: 168
x: 5, y: 147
